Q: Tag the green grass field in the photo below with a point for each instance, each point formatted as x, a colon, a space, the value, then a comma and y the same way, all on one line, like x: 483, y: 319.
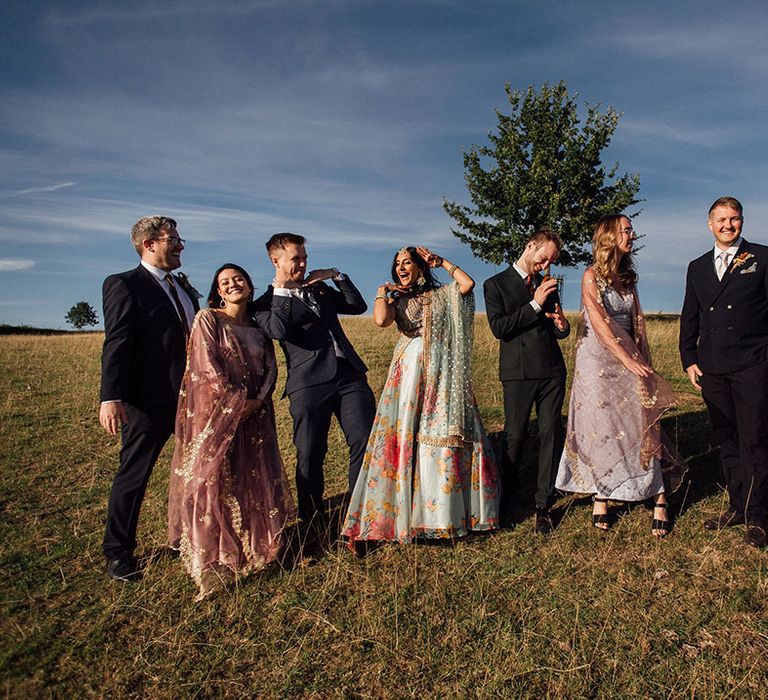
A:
x: 578, y: 614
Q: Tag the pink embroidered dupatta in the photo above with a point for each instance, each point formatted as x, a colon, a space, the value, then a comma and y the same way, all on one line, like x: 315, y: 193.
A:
x: 228, y: 498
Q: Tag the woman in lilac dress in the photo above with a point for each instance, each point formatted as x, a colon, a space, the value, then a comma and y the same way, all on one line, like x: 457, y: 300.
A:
x: 615, y: 448
x: 229, y: 501
x: 428, y: 470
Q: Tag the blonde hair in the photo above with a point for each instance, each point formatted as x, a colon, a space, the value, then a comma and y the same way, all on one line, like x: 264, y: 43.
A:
x: 608, y: 262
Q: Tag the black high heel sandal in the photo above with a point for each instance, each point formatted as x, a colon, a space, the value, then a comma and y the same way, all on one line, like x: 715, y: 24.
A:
x: 601, y: 519
x: 663, y: 526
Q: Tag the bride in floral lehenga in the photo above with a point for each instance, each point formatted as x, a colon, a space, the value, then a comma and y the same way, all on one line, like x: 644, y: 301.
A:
x: 428, y: 470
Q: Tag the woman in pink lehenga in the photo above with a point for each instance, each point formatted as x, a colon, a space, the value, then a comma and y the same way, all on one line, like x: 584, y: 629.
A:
x: 229, y: 501
x: 614, y: 447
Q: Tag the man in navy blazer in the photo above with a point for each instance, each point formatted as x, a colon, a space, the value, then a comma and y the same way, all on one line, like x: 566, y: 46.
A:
x: 724, y: 351
x: 524, y: 314
x: 147, y: 316
x: 325, y: 374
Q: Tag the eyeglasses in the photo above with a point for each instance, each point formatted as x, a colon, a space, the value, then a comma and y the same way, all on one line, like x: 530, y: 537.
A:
x: 171, y: 240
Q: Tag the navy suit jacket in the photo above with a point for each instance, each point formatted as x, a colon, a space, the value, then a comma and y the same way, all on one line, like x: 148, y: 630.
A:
x: 306, y: 338
x: 724, y: 323
x: 144, y: 352
x: 529, y: 347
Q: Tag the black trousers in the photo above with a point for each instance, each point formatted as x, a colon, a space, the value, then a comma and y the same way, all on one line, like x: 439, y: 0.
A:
x: 520, y: 396
x: 143, y: 438
x: 738, y: 411
x: 350, y: 399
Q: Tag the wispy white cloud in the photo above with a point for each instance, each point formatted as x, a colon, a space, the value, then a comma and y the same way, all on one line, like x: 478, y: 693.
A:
x: 680, y: 131
x: 37, y: 190
x: 11, y: 264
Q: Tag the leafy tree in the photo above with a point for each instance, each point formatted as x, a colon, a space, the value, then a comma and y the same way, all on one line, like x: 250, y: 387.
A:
x: 542, y: 168
x: 81, y: 314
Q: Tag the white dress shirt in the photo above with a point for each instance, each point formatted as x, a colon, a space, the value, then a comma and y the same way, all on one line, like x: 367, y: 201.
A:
x: 719, y: 270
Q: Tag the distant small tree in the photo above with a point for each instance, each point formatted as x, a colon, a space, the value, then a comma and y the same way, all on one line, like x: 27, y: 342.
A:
x: 542, y: 168
x: 81, y: 314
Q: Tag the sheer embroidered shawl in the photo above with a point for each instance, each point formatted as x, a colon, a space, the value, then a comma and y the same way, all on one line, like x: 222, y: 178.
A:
x: 602, y: 386
x: 448, y: 333
x: 228, y: 499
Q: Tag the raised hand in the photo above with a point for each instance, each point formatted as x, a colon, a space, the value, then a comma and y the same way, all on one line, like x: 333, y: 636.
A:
x: 432, y: 259
x: 558, y: 317
x: 319, y: 276
x: 543, y: 291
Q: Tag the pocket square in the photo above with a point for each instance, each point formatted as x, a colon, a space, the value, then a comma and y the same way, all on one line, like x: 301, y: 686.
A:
x: 751, y: 268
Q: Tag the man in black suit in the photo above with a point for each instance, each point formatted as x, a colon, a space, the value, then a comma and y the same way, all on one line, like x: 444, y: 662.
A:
x: 147, y: 316
x: 325, y: 375
x: 525, y: 315
x: 724, y: 351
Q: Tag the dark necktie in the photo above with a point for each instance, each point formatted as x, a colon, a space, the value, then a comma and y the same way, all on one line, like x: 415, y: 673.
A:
x: 308, y: 298
x: 177, y: 301
x: 529, y: 284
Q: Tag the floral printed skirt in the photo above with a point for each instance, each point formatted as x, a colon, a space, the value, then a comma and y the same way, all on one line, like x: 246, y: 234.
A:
x: 408, y: 489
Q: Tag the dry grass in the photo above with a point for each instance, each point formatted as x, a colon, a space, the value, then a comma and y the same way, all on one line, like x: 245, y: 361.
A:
x: 511, y: 615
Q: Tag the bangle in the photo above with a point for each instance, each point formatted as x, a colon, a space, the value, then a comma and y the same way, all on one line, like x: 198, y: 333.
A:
x: 452, y: 269
x: 380, y: 296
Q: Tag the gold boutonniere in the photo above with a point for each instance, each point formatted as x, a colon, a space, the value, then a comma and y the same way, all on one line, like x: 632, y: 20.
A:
x: 188, y: 288
x: 740, y: 259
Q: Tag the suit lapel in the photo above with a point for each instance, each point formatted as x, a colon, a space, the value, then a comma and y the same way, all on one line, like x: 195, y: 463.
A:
x: 516, y: 283
x: 728, y: 276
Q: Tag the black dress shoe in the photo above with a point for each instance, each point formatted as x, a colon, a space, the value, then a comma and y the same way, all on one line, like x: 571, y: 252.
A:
x: 755, y: 535
x: 727, y: 519
x: 543, y: 524
x: 123, y: 570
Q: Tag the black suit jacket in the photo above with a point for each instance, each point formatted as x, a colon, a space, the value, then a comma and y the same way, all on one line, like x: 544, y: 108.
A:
x: 306, y: 337
x: 529, y: 347
x: 724, y: 323
x: 144, y: 342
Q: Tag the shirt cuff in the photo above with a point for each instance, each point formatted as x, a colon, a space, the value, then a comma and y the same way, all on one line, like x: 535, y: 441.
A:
x: 535, y: 305
x: 281, y: 291
x: 111, y: 401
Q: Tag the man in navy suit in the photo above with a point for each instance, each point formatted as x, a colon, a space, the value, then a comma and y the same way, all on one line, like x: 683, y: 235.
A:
x: 325, y: 374
x: 723, y: 347
x: 147, y: 316
x: 525, y: 315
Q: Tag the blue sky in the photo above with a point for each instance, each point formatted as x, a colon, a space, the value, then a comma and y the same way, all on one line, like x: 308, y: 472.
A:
x: 346, y: 121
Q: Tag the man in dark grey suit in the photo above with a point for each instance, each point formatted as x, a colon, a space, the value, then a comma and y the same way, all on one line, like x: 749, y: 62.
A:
x: 325, y: 375
x: 147, y: 316
x: 724, y: 351
x: 524, y: 314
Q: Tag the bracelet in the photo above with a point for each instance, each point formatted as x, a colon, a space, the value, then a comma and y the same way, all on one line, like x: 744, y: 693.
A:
x: 380, y: 296
x: 452, y: 269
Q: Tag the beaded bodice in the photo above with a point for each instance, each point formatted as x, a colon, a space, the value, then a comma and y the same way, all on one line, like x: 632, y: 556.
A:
x: 409, y: 315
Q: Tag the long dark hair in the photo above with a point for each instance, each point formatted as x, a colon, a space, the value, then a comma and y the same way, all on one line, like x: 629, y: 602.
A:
x: 426, y: 271
x: 214, y: 298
